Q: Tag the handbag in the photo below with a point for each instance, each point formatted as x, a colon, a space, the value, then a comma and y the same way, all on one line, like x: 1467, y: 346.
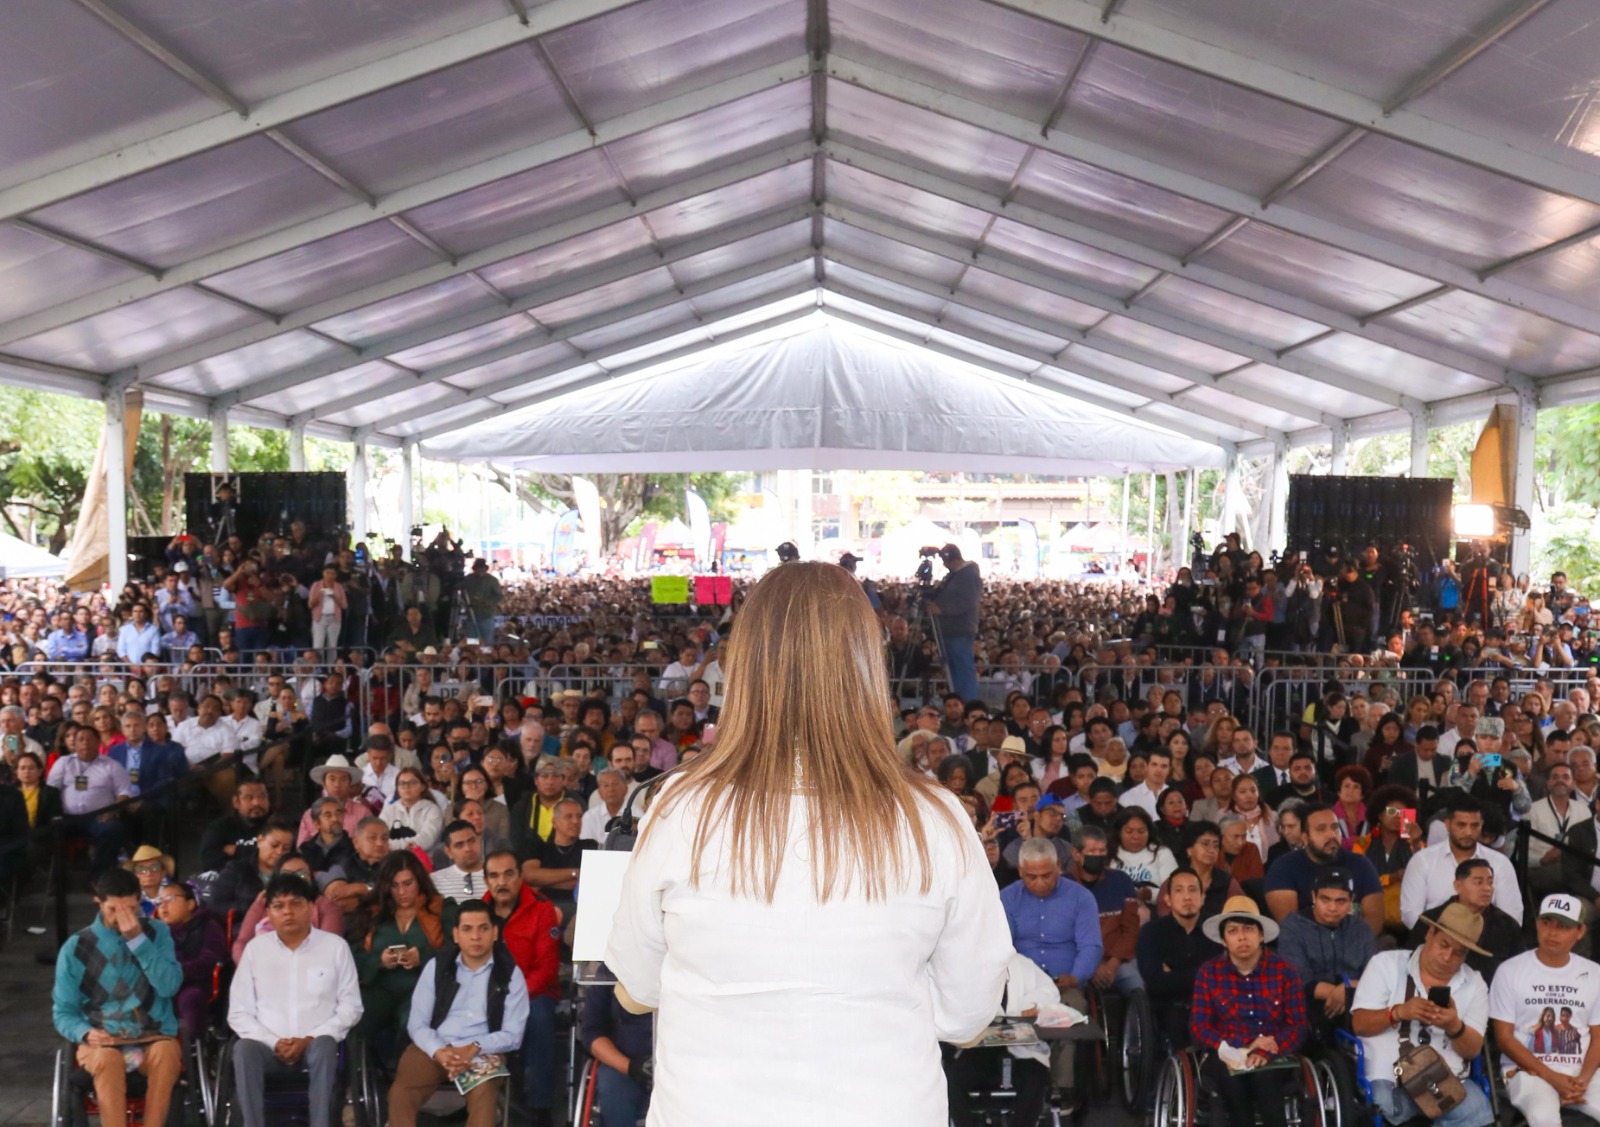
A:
x: 1423, y: 1074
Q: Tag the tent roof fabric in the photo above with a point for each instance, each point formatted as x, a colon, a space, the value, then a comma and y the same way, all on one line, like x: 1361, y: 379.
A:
x: 827, y: 397
x: 393, y: 222
x: 21, y: 560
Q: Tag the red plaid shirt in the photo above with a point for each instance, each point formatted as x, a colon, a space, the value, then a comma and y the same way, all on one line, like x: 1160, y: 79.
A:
x: 1236, y: 1008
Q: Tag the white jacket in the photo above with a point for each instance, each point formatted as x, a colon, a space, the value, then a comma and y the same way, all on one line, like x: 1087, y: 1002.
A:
x: 799, y: 1014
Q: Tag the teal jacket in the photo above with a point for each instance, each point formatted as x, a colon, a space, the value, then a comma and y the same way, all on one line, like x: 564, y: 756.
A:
x: 122, y: 986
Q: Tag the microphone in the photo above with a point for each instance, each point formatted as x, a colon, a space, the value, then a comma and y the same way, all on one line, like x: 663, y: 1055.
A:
x: 621, y: 831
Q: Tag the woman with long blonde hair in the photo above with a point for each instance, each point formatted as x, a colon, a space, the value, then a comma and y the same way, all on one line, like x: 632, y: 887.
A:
x: 809, y: 915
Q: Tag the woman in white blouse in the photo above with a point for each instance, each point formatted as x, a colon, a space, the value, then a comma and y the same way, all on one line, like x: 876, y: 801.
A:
x: 809, y: 915
x: 413, y: 808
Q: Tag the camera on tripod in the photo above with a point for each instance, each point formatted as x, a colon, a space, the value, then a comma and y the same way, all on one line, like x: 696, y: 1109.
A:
x: 924, y: 571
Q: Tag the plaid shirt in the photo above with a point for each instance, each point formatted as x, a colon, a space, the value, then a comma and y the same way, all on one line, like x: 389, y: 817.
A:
x: 1236, y: 1008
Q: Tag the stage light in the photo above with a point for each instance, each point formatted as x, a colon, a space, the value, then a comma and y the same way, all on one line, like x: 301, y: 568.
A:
x: 1474, y: 521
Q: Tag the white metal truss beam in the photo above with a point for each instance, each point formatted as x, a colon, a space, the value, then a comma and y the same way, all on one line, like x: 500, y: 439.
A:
x: 1197, y: 272
x: 1080, y: 339
x: 563, y: 334
x: 416, y: 195
x: 560, y: 289
x: 546, y: 236
x: 1248, y: 69
x: 1072, y: 291
x: 1099, y: 154
x: 416, y: 58
x: 1047, y: 363
x: 494, y: 408
x: 1199, y: 434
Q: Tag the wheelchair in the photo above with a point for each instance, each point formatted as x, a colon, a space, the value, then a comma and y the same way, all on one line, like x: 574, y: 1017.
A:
x: 72, y: 1100
x: 1484, y: 1073
x: 1123, y: 1060
x: 1181, y: 1099
x: 286, y: 1099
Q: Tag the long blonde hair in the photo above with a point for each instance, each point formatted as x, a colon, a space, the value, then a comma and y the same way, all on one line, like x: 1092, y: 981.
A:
x: 807, y: 708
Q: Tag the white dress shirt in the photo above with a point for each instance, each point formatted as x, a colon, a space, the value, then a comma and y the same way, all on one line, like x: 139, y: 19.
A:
x: 594, y: 823
x: 858, y: 992
x: 1141, y: 796
x: 91, y: 786
x: 200, y: 744
x: 247, y: 737
x: 1430, y: 880
x: 307, y: 991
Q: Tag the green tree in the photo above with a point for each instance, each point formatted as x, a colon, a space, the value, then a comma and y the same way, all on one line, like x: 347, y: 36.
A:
x: 626, y: 498
x: 45, y: 457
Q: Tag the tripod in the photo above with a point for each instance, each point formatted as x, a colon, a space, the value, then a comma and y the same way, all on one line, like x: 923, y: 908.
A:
x: 919, y: 614
x: 460, y: 616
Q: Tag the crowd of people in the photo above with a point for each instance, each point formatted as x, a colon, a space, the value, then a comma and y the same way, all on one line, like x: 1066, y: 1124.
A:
x: 379, y: 811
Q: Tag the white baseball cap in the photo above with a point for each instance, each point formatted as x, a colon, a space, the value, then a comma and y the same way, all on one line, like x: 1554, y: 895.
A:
x: 1562, y: 907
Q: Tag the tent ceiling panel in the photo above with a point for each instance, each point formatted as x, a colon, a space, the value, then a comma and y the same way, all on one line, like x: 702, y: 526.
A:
x: 787, y: 279
x: 469, y: 343
x: 981, y: 352
x: 1003, y: 57
x: 1443, y: 206
x: 747, y: 252
x: 904, y: 203
x: 1007, y: 292
x: 1388, y: 368
x: 603, y: 299
x: 1173, y: 415
x: 1106, y: 273
x: 647, y: 52
x: 520, y: 274
x: 1513, y: 337
x: 1533, y: 87
x: 1335, y: 41
x: 308, y: 396
x: 962, y: 151
x: 1181, y: 349
x: 1195, y: 302
x: 1193, y: 122
x: 759, y: 123
x: 1347, y: 282
x: 441, y: 395
x: 1319, y: 398
x: 182, y: 210
x: 961, y: 319
x: 258, y: 50
x: 1075, y: 384
x: 384, y: 319
x: 781, y: 186
x: 515, y: 205
x: 73, y: 87
x: 536, y: 358
x: 888, y: 252
x: 871, y: 288
x: 36, y: 272
x: 234, y: 370
x: 1107, y: 370
x: 323, y: 270
x: 125, y: 336
x: 442, y: 121
x: 1144, y: 213
x: 1572, y: 273
x: 1214, y: 401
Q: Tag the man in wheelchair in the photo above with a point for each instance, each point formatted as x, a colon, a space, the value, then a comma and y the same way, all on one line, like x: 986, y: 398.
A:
x: 1249, y: 1020
x: 973, y: 1068
x: 115, y: 981
x: 1427, y: 998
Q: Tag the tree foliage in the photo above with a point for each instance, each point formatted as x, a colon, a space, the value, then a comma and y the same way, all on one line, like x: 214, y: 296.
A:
x: 625, y: 498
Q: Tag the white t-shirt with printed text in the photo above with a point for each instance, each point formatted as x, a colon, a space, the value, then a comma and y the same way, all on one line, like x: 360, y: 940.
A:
x: 1550, y: 1008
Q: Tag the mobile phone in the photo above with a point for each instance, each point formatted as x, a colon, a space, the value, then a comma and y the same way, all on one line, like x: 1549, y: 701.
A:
x: 13, y: 744
x: 396, y: 948
x: 1439, y: 996
x: 1408, y: 820
x: 1489, y: 759
x: 1006, y: 821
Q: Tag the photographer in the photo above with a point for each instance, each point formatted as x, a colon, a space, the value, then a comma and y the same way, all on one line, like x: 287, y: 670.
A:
x: 954, y: 607
x: 483, y: 598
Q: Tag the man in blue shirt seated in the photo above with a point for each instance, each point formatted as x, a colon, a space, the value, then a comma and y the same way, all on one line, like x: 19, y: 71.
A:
x: 1056, y: 923
x: 470, y: 1003
x: 66, y: 642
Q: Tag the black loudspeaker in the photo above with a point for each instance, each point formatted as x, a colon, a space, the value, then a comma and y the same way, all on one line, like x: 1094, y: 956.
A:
x: 269, y: 502
x: 1351, y: 512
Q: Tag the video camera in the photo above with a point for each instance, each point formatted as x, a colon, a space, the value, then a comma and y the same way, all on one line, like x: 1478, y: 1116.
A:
x: 924, y: 571
x: 787, y: 552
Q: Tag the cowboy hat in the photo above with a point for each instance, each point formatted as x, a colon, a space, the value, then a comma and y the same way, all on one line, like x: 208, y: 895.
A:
x: 151, y: 853
x: 1239, y: 908
x: 1460, y: 924
x: 1012, y: 745
x: 334, y: 763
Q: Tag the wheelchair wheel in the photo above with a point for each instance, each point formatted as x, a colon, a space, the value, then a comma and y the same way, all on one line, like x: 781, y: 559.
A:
x: 1095, y: 1082
x: 366, y: 1085
x: 226, y: 1105
x: 1312, y: 1111
x: 1136, y: 1051
x: 583, y: 1093
x: 1177, y: 1092
x: 1339, y: 1090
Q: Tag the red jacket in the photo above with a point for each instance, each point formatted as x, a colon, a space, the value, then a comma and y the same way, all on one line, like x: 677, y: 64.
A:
x: 533, y: 936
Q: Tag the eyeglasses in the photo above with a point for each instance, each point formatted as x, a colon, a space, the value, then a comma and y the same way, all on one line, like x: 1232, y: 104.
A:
x: 150, y: 867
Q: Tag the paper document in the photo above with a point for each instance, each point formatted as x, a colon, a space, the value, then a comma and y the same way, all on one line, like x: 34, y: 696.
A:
x: 600, y: 874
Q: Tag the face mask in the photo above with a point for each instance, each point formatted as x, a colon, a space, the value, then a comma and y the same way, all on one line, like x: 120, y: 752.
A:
x: 1094, y: 863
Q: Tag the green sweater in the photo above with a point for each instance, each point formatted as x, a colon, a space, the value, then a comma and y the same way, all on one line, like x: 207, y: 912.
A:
x: 124, y: 987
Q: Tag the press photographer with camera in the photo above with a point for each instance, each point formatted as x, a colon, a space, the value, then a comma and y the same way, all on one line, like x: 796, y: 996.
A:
x: 953, y: 605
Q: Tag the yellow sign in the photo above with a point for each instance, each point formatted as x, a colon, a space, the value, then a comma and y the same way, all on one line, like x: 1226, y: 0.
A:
x: 669, y: 589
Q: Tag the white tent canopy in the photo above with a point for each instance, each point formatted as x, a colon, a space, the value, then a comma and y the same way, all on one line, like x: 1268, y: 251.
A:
x: 826, y: 395
x: 21, y: 560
